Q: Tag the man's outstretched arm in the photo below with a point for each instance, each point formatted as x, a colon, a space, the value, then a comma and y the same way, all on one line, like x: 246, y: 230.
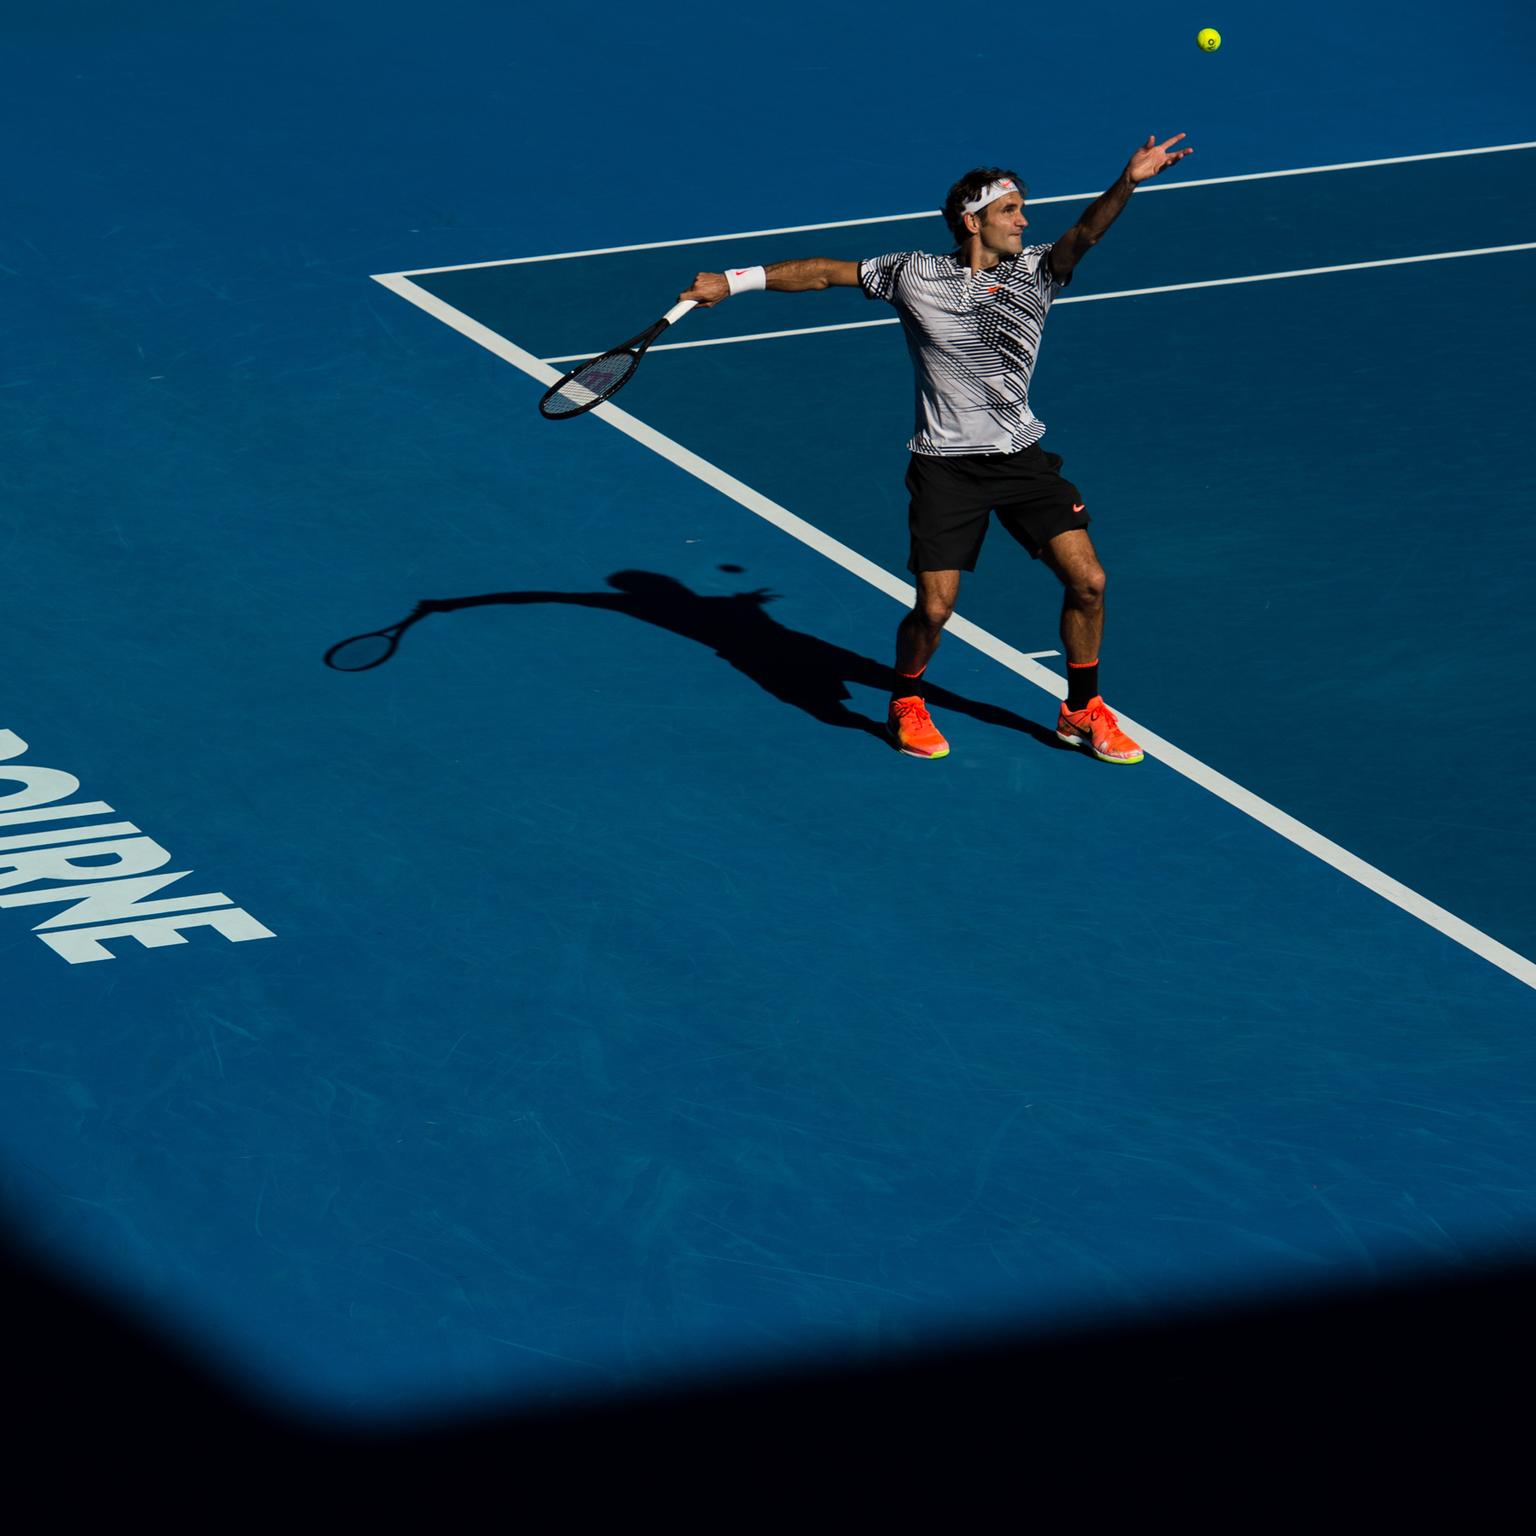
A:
x: 805, y: 276
x: 1152, y: 159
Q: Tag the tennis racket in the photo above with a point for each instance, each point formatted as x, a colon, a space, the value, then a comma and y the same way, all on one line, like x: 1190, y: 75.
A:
x: 601, y: 378
x: 376, y: 647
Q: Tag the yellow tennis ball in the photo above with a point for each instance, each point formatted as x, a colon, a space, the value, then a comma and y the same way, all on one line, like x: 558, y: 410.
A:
x: 1208, y: 38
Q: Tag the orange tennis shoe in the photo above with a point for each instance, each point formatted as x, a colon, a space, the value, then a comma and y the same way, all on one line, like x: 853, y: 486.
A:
x: 1096, y: 728
x: 912, y: 729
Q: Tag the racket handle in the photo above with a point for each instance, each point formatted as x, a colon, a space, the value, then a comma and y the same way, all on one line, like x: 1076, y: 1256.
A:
x: 677, y: 311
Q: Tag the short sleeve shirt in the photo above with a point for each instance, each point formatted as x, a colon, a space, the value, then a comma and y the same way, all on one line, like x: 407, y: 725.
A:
x: 973, y: 341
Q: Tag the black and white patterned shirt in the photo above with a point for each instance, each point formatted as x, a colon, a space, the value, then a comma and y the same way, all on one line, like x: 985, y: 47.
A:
x: 973, y: 340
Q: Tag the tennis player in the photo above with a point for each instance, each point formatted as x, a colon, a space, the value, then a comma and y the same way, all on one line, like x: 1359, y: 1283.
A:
x: 973, y: 319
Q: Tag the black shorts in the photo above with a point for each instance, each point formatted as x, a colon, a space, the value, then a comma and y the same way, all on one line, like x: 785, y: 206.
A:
x: 953, y: 496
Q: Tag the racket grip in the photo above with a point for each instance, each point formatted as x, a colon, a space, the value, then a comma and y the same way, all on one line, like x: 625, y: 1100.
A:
x: 677, y: 311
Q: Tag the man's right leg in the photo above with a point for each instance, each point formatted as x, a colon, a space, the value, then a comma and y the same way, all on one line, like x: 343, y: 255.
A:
x: 917, y: 638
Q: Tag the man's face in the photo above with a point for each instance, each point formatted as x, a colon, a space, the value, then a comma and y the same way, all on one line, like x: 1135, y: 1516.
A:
x: 1003, y: 225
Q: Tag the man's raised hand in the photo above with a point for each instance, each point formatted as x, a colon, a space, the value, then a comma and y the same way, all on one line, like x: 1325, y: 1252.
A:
x: 1153, y: 158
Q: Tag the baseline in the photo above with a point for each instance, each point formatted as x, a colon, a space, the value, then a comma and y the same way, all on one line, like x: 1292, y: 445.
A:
x: 1025, y: 666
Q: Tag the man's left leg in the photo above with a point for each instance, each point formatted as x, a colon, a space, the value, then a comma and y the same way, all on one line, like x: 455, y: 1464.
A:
x: 1085, y: 720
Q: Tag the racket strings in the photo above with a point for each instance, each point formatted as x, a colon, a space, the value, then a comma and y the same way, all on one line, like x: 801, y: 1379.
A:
x: 590, y: 383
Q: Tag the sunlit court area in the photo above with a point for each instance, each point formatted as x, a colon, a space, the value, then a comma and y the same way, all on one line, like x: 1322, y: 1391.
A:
x: 475, y: 963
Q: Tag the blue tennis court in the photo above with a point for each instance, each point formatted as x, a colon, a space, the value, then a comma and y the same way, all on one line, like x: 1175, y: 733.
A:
x: 586, y: 1000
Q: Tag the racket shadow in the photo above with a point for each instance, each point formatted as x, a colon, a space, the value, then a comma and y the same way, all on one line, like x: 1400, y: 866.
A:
x: 798, y: 669
x: 362, y: 653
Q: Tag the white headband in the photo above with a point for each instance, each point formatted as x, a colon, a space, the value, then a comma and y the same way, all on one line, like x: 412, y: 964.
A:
x: 990, y: 194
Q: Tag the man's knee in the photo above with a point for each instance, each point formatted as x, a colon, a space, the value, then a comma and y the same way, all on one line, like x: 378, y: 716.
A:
x: 932, y: 611
x: 1085, y: 586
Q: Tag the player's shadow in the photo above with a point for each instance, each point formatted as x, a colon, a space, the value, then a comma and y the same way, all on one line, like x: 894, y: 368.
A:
x: 796, y: 668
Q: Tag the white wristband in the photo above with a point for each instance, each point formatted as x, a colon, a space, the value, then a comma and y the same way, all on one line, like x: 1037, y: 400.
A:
x: 746, y: 280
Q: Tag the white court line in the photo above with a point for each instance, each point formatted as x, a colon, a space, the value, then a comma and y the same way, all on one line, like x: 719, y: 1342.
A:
x: 721, y: 341
x: 1087, y: 298
x: 1018, y: 662
x: 933, y: 213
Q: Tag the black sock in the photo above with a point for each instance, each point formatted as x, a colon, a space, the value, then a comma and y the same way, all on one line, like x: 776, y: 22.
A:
x: 1082, y: 683
x: 904, y: 687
